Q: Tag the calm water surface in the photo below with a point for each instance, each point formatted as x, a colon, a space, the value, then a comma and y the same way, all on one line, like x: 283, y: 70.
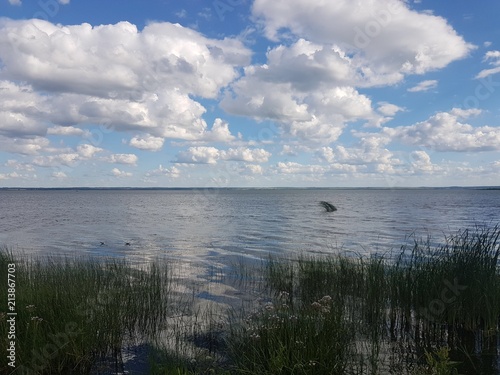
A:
x: 211, y: 226
x: 207, y: 230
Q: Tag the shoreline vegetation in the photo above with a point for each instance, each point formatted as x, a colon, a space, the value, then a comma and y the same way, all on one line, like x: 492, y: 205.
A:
x: 425, y: 309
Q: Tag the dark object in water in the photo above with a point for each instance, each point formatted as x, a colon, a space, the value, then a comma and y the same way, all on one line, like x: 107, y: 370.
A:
x: 328, y: 206
x: 127, y: 243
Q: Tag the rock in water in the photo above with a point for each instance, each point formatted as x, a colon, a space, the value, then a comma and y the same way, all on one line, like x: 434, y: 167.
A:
x: 328, y: 206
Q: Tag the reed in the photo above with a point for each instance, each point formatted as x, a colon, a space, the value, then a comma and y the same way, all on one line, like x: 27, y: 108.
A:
x: 425, y: 296
x: 422, y: 310
x: 73, y: 312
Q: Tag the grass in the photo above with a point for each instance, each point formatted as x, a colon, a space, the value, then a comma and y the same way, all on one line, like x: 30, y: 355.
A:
x: 73, y: 312
x: 423, y: 310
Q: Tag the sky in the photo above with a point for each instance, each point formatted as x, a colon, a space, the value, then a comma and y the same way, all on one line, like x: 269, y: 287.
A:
x: 249, y: 93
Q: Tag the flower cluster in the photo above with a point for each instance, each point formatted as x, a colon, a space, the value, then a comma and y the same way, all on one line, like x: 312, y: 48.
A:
x: 323, y: 305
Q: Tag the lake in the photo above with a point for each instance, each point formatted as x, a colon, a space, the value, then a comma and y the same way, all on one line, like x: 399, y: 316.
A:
x: 207, y: 230
x: 210, y: 226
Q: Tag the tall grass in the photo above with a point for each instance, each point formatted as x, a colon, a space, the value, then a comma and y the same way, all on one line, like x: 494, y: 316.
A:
x: 423, y: 297
x: 423, y: 310
x: 73, y: 312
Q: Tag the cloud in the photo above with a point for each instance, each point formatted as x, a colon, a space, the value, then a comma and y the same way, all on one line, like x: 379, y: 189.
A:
x: 147, y: 142
x: 172, y: 172
x: 318, y: 115
x: 293, y: 168
x: 181, y: 14
x: 68, y: 131
x: 129, y: 79
x: 424, y: 86
x: 49, y: 161
x: 258, y: 155
x: 9, y: 176
x: 19, y: 165
x: 210, y: 155
x: 15, y: 2
x: 421, y: 162
x: 326, y: 154
x: 219, y: 132
x: 308, y: 83
x: 389, y: 109
x: 87, y: 151
x: 370, y: 152
x: 445, y: 132
x: 23, y: 146
x: 198, y: 155
x: 59, y: 175
x: 492, y: 55
x: 119, y: 173
x: 493, y: 58
x: 387, y: 33
x: 122, y: 159
x: 19, y: 125
x: 251, y: 169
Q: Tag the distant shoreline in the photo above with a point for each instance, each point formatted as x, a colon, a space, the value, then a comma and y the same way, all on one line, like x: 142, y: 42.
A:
x: 258, y: 188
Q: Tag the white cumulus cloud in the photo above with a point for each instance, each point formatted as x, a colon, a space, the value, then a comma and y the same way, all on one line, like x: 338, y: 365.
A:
x: 387, y: 33
x: 147, y: 142
x: 119, y: 173
x: 122, y: 159
x: 129, y: 79
x: 447, y: 131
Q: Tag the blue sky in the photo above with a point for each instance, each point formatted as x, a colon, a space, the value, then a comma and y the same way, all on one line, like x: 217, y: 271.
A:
x: 260, y: 93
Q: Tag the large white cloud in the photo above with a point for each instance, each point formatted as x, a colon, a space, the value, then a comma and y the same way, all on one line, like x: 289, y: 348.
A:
x: 117, y: 60
x: 130, y: 79
x: 308, y: 83
x: 447, y: 131
x: 298, y: 95
x: 387, y: 33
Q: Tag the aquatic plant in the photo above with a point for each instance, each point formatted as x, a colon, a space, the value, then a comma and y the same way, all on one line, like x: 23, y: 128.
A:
x: 330, y: 314
x: 72, y: 313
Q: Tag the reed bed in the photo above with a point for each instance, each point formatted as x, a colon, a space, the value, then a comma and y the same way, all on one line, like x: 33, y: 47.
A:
x: 417, y: 301
x: 72, y: 313
x: 424, y: 309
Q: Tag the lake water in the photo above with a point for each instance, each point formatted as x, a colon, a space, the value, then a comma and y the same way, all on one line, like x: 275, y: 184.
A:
x: 212, y: 226
x: 206, y: 230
